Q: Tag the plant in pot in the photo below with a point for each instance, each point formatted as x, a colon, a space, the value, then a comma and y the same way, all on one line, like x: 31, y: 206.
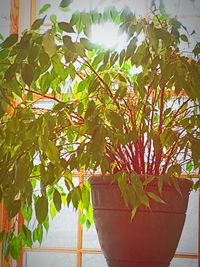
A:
x: 139, y: 129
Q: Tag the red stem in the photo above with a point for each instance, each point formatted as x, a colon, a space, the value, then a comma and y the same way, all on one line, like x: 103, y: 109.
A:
x: 171, y: 151
x: 159, y: 155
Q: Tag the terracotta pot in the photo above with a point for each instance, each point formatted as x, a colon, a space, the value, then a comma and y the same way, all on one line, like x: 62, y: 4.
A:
x: 151, y: 239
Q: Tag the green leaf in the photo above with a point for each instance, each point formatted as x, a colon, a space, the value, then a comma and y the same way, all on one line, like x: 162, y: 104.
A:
x: 49, y: 44
x: 1, y: 195
x: 26, y: 236
x: 44, y: 8
x: 196, y: 186
x: 196, y: 49
x: 38, y: 234
x: 115, y: 119
x: 76, y: 196
x: 50, y: 149
x: 27, y: 213
x: 53, y: 19
x: 97, y: 60
x: 59, y: 67
x: 85, y: 197
x: 152, y: 37
x: 37, y: 23
x: 114, y: 57
x: 174, y: 169
x: 148, y: 180
x: 57, y: 200
x: 65, y: 3
x: 94, y: 84
x: 131, y: 47
x: 144, y: 200
x: 155, y: 197
x: 46, y: 224
x: 87, y: 44
x: 184, y: 38
x: 133, y: 135
x: 189, y: 166
x: 53, y: 210
x: 90, y: 109
x: 160, y: 184
x: 122, y: 57
x: 11, y: 72
x: 1, y: 37
x: 45, y: 82
x: 175, y: 183
x: 66, y: 27
x: 82, y: 219
x: 74, y: 18
x: 9, y: 41
x: 14, y: 210
x: 44, y: 60
x: 23, y: 168
x: 106, y: 58
x: 4, y: 54
x: 33, y: 54
x: 175, y: 23
x: 15, y: 247
x: 27, y: 74
x: 133, y: 213
x: 156, y: 143
x: 41, y: 209
x: 2, y: 234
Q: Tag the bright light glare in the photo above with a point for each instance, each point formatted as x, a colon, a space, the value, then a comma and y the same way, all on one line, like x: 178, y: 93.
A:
x: 107, y: 35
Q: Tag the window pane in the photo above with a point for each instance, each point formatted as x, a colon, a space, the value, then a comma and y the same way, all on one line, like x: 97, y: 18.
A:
x: 90, y: 239
x: 189, y: 239
x: 184, y: 263
x: 4, y: 18
x: 62, y: 229
x: 94, y: 260
x: 49, y: 259
x: 137, y: 6
x: 183, y: 7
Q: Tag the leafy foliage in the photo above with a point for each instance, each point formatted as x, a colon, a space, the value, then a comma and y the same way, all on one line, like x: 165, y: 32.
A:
x: 104, y: 116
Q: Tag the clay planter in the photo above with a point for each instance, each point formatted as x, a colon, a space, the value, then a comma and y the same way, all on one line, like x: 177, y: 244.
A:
x: 151, y: 239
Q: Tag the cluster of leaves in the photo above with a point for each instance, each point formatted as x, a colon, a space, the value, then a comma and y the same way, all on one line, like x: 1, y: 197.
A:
x: 103, y: 116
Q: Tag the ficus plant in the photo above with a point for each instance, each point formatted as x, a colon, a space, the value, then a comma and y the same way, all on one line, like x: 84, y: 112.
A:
x: 103, y: 117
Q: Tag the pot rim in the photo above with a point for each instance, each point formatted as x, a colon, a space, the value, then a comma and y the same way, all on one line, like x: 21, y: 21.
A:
x: 99, y: 179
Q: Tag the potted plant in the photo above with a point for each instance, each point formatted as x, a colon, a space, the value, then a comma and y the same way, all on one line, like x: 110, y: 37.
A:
x: 139, y: 130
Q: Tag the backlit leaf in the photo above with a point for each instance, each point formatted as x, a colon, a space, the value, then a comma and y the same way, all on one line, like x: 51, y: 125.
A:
x: 9, y: 41
x: 37, y: 23
x: 49, y: 44
x: 27, y: 74
x: 15, y: 247
x: 2, y: 234
x: 26, y: 235
x: 66, y: 27
x: 65, y: 3
x: 44, y: 8
x: 184, y: 38
x: 41, y: 209
x: 16, y: 205
x: 57, y: 200
x: 53, y: 210
x: 155, y: 197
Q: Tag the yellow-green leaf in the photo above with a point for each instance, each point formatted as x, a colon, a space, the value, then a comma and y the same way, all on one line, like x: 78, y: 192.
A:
x: 155, y: 197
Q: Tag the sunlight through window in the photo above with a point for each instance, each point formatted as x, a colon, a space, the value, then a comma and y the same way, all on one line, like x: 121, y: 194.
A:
x: 107, y: 35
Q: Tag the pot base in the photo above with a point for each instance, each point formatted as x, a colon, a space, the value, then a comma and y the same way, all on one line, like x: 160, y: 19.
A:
x: 116, y: 263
